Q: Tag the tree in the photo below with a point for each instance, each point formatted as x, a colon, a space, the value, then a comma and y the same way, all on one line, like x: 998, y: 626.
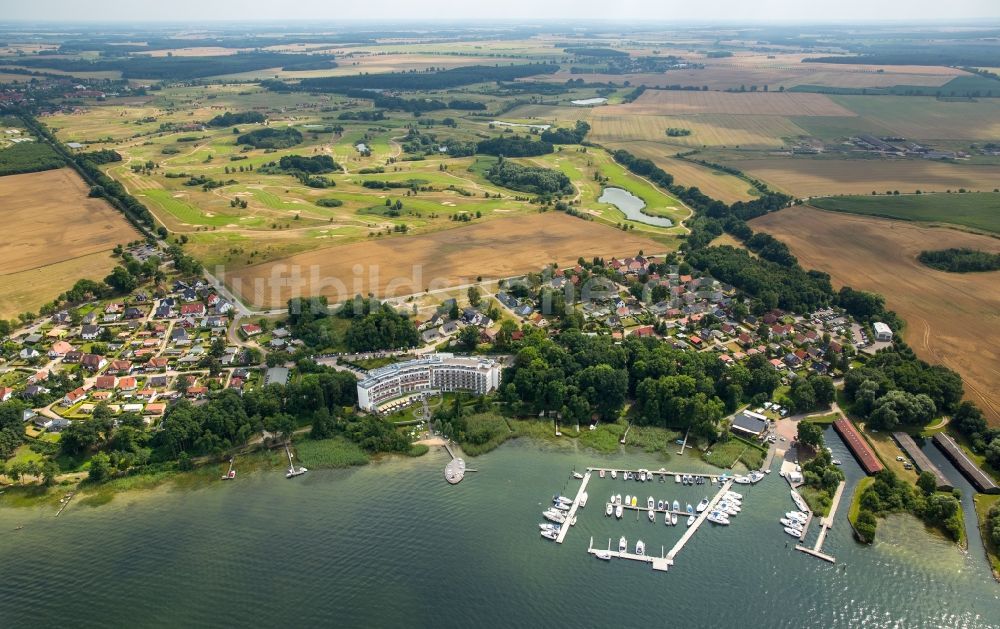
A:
x: 49, y: 472
x: 100, y: 467
x: 475, y: 296
x: 468, y: 338
x: 453, y: 312
x: 927, y: 483
x: 810, y: 434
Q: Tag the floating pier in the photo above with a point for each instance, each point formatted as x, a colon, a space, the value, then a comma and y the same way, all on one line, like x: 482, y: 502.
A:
x: 455, y: 470
x: 825, y: 524
x: 563, y: 530
x: 660, y: 563
x: 689, y: 533
x: 665, y: 473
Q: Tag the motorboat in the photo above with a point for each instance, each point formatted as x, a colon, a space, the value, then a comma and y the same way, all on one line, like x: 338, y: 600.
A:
x: 689, y: 508
x: 554, y: 516
x: 659, y: 505
x: 691, y: 520
x: 583, y: 499
x: 652, y: 515
x: 792, y: 524
x: 756, y: 476
x: 577, y: 475
x: 649, y: 503
x: 742, y: 480
x: 619, y: 510
x: 727, y: 508
x: 629, y: 476
x: 628, y: 500
x: 837, y: 462
x: 614, y: 473
x: 550, y: 534
x: 562, y: 506
x: 618, y: 499
x: 793, y: 532
x: 562, y: 499
x: 642, y: 475
x: 677, y: 478
x: 676, y: 506
x: 623, y: 545
x: 702, y: 505
x: 601, y: 473
x: 603, y: 554
x: 545, y: 526
x: 612, y: 499
x: 673, y: 520
x: 797, y: 516
x: 666, y: 519
x: 609, y: 509
x: 718, y: 517
x: 640, y: 548
x: 635, y: 501
x: 799, y: 501
x: 733, y: 494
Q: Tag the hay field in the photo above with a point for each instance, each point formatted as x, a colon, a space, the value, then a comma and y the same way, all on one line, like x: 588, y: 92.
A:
x: 677, y: 103
x: 714, y: 183
x: 952, y: 319
x: 401, y: 266
x: 25, y: 291
x: 806, y: 177
x: 706, y: 130
x: 54, y: 220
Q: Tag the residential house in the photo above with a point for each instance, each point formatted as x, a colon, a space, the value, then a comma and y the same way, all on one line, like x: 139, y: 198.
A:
x: 250, y: 329
x: 134, y: 313
x: 29, y: 353
x: 73, y: 357
x: 121, y: 367
x: 33, y: 390
x: 6, y: 393
x: 105, y: 382
x: 157, y: 381
x: 93, y: 362
x: 197, y: 392
x: 74, y: 396
x: 90, y: 332
x: 158, y: 363
x: 60, y: 349
x: 38, y: 376
x: 197, y: 310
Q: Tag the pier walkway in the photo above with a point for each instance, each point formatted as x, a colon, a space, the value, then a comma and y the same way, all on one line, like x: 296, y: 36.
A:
x: 666, y: 473
x: 825, y: 523
x: 689, y: 533
x: 563, y: 530
x: 660, y: 563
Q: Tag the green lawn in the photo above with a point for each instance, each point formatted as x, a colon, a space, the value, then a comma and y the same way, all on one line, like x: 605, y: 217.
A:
x: 977, y: 210
x: 983, y: 503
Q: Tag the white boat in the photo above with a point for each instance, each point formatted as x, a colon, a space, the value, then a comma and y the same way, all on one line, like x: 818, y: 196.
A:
x: 797, y: 516
x: 618, y: 499
x: 619, y: 510
x: 677, y: 478
x: 293, y: 472
x: 792, y: 524
x: 673, y: 520
x: 601, y: 473
x: 793, y: 532
x: 614, y: 473
x: 733, y: 494
x: 554, y: 516
x: 545, y: 526
x: 577, y: 475
x: 612, y: 499
x: 718, y: 518
x: 702, y: 505
x: 691, y: 520
x: 642, y: 476
x: 628, y: 500
x: 583, y: 499
x: 689, y: 508
x: 756, y: 476
x: 623, y: 545
x: 640, y: 548
x: 550, y: 534
x: 650, y: 502
x: 609, y: 509
x: 562, y: 499
x: 603, y: 554
x: 659, y: 505
x: 562, y: 507
x: 676, y: 506
x: 666, y: 519
x: 727, y: 508
x: 652, y: 515
x: 799, y: 501
x: 742, y: 480
x: 836, y: 462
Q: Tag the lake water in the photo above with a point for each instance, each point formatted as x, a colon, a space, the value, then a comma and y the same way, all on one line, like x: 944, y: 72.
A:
x: 632, y: 206
x: 392, y: 545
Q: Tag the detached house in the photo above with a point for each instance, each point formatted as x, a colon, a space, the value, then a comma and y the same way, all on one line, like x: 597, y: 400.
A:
x: 196, y: 310
x: 93, y: 362
x: 90, y: 332
x: 6, y: 393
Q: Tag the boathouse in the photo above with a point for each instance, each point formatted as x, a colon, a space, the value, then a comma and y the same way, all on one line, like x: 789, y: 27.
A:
x: 920, y: 459
x: 858, y: 446
x: 979, y: 479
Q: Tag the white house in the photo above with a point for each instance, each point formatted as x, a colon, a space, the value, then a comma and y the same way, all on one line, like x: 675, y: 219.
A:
x: 882, y: 331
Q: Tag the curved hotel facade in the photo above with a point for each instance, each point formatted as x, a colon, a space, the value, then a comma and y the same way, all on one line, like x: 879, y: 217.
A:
x: 440, y: 372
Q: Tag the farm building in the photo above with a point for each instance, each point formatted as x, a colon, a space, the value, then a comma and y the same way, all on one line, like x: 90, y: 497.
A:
x: 858, y: 446
x: 979, y: 479
x: 882, y: 331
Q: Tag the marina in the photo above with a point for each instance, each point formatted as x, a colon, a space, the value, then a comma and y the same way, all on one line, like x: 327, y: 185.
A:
x: 825, y: 524
x: 661, y: 473
x: 581, y: 498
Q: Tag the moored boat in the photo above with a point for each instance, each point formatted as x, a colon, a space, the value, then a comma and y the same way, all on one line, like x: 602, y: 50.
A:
x: 792, y: 524
x: 718, y: 517
x: 614, y: 473
x: 691, y: 520
x: 677, y: 478
x: 666, y: 519
x: 742, y: 480
x: 622, y: 545
x: 619, y: 510
x: 550, y: 534
x: 652, y: 515
x: 650, y: 502
x: 640, y: 548
x: 635, y: 501
x: 799, y: 501
x: 689, y: 508
x: 577, y: 475
x: 545, y: 526
x: 618, y: 499
x: 603, y: 554
x: 793, y: 532
x: 673, y: 519
x: 676, y: 506
x: 659, y: 505
x: 733, y: 494
x: 702, y: 505
x: 609, y: 509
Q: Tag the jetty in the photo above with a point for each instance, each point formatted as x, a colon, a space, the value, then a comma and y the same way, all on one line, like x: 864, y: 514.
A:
x: 689, y: 533
x: 824, y: 526
x: 65, y: 502
x: 685, y: 442
x: 664, y: 473
x: 455, y: 470
x: 292, y: 470
x: 571, y: 514
x: 660, y: 563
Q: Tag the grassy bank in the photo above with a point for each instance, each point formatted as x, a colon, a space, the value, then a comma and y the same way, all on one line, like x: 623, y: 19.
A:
x: 863, y: 484
x: 983, y: 504
x: 329, y: 453
x: 726, y: 454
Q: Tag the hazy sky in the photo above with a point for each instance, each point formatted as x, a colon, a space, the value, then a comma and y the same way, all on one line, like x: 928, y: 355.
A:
x: 330, y: 10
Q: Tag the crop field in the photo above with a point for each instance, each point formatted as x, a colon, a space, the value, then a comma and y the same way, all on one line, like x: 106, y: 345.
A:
x: 392, y: 267
x: 952, y: 319
x: 715, y: 130
x: 927, y: 118
x: 714, y: 183
x: 820, y: 177
x: 677, y: 103
x: 61, y: 236
x: 370, y: 63
x: 976, y: 210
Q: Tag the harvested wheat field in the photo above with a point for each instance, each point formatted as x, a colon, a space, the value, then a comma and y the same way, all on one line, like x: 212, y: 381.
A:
x: 25, y: 291
x: 952, y: 319
x: 706, y: 130
x: 406, y: 265
x: 49, y: 218
x: 678, y: 103
x: 805, y: 177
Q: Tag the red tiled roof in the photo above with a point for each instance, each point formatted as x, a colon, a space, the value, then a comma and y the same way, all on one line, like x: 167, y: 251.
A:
x: 857, y: 444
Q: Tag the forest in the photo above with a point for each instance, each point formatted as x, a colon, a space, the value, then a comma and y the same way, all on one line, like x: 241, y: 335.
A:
x: 28, y: 157
x: 423, y: 81
x: 961, y: 260
x: 271, y: 138
x: 231, y: 118
x: 541, y: 181
x: 170, y: 68
x: 513, y: 146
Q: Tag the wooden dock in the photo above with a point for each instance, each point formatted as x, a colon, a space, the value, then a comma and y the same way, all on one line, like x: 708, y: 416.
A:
x: 825, y: 524
x: 660, y: 563
x: 563, y: 530
x: 455, y: 470
x: 667, y: 473
x: 689, y: 533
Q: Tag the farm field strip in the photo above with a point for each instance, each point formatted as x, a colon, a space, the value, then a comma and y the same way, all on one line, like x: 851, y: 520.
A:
x: 676, y: 103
